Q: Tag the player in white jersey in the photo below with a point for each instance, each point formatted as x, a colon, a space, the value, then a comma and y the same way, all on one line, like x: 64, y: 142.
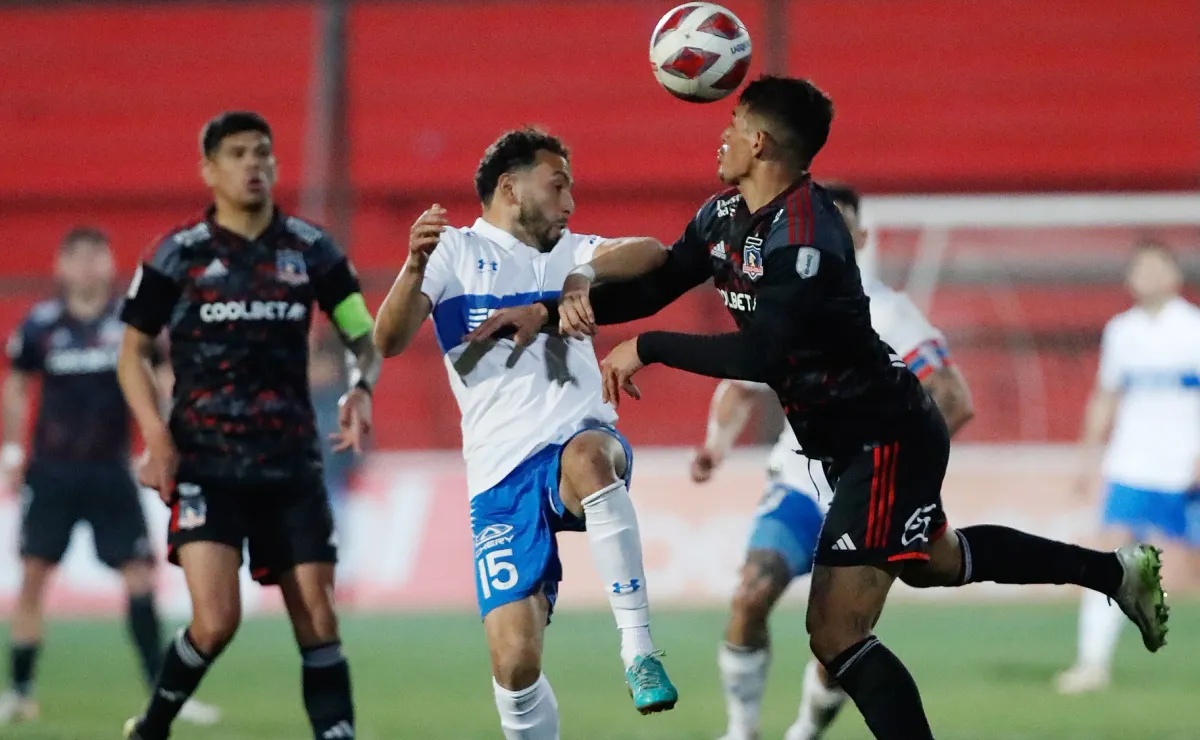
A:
x: 1148, y: 393
x: 541, y: 450
x: 788, y: 521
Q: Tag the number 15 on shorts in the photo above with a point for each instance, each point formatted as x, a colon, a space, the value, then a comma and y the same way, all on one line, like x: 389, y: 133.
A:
x: 496, y: 572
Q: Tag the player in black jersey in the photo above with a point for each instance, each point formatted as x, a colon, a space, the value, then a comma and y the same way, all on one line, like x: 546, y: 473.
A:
x: 781, y: 257
x: 79, y: 466
x: 238, y: 461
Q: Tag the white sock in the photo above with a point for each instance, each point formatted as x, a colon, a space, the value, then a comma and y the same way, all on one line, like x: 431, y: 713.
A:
x: 612, y: 529
x: 744, y: 678
x: 819, y: 704
x: 1099, y: 627
x: 528, y: 714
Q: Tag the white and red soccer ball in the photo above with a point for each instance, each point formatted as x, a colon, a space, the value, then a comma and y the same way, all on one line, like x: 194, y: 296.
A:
x: 700, y: 52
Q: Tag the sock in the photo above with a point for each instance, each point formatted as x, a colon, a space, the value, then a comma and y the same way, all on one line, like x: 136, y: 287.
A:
x: 183, y: 667
x: 327, y: 695
x: 883, y: 690
x: 819, y: 705
x: 528, y: 714
x: 146, y: 631
x: 24, y: 660
x: 616, y: 543
x: 1003, y: 555
x: 744, y: 678
x: 1099, y: 627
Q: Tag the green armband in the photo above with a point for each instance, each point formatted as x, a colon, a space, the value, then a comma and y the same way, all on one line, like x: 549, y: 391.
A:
x: 352, y: 317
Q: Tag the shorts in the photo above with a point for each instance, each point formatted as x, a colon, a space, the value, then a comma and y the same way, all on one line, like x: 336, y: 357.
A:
x: 59, y: 494
x: 515, y: 525
x: 283, y: 523
x: 887, y: 502
x: 787, y: 522
x: 1144, y: 512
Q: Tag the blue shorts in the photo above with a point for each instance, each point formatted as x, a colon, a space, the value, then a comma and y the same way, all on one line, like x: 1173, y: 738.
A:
x: 515, y: 524
x: 1144, y: 512
x: 787, y: 522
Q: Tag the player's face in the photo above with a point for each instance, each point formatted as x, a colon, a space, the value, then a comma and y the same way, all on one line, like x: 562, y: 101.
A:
x: 85, y: 266
x: 738, y: 148
x: 850, y: 215
x: 242, y: 171
x: 543, y: 199
x: 1153, y: 276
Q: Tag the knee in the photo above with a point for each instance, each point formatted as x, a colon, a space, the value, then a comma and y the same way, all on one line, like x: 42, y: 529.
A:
x: 34, y: 579
x: 139, y: 578
x: 829, y: 638
x: 588, y: 463
x: 315, y: 623
x: 516, y: 665
x: 751, y: 606
x: 213, y: 627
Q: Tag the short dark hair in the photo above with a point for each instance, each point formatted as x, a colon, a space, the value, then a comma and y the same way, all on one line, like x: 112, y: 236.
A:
x: 799, y: 107
x: 81, y: 234
x: 842, y: 194
x: 514, y: 150
x: 227, y: 124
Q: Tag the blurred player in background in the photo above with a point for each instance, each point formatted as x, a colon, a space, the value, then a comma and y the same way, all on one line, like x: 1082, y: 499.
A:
x: 783, y: 260
x: 239, y: 462
x: 1148, y: 393
x: 788, y: 522
x: 79, y: 468
x: 541, y: 450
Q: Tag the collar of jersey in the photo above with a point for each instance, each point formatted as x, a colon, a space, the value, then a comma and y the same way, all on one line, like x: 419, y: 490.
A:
x: 277, y: 219
x: 779, y: 201
x: 498, y: 236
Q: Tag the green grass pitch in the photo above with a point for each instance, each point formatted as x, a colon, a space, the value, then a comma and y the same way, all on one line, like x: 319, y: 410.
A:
x: 984, y: 672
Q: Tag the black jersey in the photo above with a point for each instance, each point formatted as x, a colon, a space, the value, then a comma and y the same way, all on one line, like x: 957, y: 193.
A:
x: 788, y: 276
x: 238, y: 314
x: 81, y: 415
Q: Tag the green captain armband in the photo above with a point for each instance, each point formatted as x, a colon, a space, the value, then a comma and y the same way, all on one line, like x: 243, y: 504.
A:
x: 352, y: 317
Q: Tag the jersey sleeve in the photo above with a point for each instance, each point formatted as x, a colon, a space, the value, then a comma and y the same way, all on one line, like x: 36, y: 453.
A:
x: 1110, y: 373
x: 337, y: 288
x: 585, y: 247
x: 439, y: 270
x: 921, y: 345
x: 24, y: 349
x: 155, y: 289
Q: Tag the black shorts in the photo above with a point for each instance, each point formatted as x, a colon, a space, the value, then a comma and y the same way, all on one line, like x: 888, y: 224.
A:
x: 283, y: 523
x: 887, y: 502
x: 59, y: 494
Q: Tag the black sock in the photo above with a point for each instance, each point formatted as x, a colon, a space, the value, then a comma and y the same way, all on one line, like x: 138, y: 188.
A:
x: 182, y: 668
x: 146, y: 631
x: 1003, y: 555
x: 883, y: 690
x: 24, y: 659
x: 327, y: 695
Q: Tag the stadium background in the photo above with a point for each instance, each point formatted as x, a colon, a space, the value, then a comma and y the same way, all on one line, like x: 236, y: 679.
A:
x: 1011, y: 153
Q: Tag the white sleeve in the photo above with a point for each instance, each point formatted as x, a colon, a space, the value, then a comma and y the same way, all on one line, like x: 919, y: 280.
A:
x: 585, y: 247
x: 439, y: 271
x: 909, y: 329
x: 1109, y: 376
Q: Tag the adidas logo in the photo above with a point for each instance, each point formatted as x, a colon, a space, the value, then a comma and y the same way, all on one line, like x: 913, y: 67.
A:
x: 341, y: 731
x: 215, y: 269
x: 844, y: 543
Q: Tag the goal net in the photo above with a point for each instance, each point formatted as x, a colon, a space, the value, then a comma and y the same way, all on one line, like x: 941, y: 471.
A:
x: 1022, y: 286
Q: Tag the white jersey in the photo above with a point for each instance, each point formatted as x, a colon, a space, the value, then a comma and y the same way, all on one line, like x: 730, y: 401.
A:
x: 513, y: 401
x: 1153, y: 361
x: 902, y: 325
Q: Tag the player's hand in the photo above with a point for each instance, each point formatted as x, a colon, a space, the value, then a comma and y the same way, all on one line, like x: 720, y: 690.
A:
x: 522, y: 323
x: 158, y: 466
x: 575, y: 316
x: 705, y: 464
x: 354, y: 421
x: 425, y: 233
x: 618, y: 370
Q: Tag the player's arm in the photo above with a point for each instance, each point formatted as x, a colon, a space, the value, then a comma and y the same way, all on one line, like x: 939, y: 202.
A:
x: 728, y: 413
x: 950, y: 392
x: 1100, y: 412
x: 407, y: 306
x: 625, y: 258
x: 786, y: 304
x: 25, y: 362
x: 147, y: 308
x: 340, y: 297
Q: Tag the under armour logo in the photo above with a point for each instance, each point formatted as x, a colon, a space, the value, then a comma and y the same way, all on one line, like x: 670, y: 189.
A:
x: 485, y: 264
x: 626, y: 588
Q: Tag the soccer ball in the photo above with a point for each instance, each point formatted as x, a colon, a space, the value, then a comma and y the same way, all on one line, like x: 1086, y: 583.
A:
x: 700, y: 52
